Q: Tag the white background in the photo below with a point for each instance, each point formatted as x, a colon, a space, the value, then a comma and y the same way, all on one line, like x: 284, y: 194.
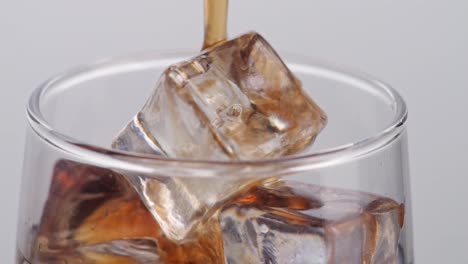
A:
x: 418, y: 46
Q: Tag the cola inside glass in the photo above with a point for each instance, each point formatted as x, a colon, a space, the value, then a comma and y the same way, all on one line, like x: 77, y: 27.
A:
x: 93, y: 215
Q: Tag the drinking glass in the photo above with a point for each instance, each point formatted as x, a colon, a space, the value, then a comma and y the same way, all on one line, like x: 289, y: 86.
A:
x: 346, y: 199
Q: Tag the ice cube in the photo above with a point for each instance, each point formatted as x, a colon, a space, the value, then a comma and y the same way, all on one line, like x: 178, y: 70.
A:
x: 277, y: 225
x: 237, y: 100
x: 93, y: 215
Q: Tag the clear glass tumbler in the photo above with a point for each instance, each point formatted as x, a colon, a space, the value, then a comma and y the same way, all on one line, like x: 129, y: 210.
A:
x: 344, y: 200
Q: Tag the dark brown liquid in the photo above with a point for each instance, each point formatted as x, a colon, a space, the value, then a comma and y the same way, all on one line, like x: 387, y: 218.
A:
x: 94, y: 216
x: 216, y: 13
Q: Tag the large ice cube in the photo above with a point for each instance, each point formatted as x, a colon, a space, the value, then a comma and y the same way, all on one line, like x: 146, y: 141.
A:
x: 92, y: 215
x: 277, y: 225
x: 237, y: 100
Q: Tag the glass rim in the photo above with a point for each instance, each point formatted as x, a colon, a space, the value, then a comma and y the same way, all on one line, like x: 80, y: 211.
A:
x: 155, y: 165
